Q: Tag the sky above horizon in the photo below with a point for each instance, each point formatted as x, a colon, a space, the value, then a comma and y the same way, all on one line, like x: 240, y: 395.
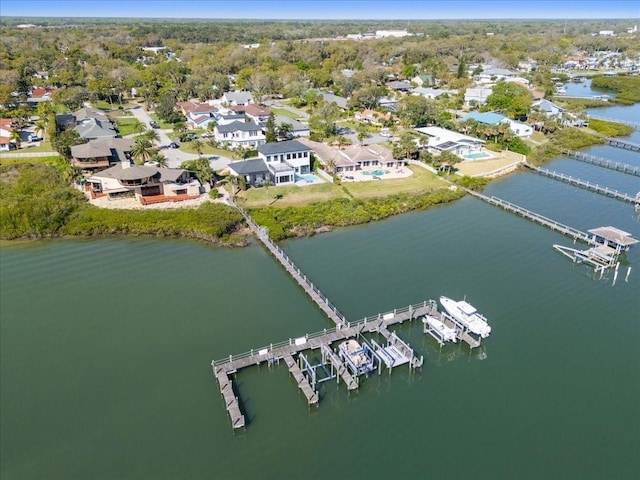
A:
x: 327, y: 9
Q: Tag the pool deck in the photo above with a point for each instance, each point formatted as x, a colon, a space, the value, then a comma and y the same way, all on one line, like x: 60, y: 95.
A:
x: 482, y: 167
x: 359, y: 176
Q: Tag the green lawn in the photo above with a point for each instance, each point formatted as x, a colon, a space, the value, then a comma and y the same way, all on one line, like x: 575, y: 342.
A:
x: 161, y: 124
x: 126, y: 125
x: 284, y: 113
x: 421, y: 181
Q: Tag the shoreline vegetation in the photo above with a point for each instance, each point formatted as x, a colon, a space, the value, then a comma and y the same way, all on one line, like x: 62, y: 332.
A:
x: 38, y: 202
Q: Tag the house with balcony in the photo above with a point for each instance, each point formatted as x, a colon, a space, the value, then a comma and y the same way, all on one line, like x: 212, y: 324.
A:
x: 197, y: 115
x: 146, y: 183
x: 100, y: 154
x: 286, y: 158
x: 239, y: 134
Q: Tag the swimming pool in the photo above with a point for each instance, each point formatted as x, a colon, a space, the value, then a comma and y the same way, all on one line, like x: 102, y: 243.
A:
x: 308, y: 178
x: 375, y: 172
x: 476, y: 156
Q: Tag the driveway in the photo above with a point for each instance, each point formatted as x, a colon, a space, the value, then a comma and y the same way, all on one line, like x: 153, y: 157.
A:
x: 174, y: 156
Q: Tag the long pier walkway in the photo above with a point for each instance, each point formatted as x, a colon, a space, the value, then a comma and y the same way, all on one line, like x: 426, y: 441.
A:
x: 534, y: 217
x: 594, y: 187
x: 625, y: 144
x: 316, y: 295
x: 602, y: 162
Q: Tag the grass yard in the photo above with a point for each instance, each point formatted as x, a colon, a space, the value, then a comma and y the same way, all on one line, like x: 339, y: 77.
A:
x: 291, y: 195
x: 126, y: 125
x: 421, y: 181
x: 161, y: 124
x: 284, y: 112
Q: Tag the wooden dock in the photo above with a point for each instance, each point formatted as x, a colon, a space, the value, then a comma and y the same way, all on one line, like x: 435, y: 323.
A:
x: 534, y: 217
x: 301, y: 380
x: 314, y: 293
x: 343, y: 372
x: 275, y: 352
x: 594, y: 187
x: 614, y: 142
x: 230, y: 399
x: 602, y: 162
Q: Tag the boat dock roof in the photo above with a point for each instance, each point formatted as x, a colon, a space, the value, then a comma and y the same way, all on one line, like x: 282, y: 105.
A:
x: 615, y: 235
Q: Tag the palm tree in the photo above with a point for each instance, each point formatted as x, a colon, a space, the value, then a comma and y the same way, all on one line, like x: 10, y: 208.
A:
x: 14, y: 136
x: 266, y: 184
x: 137, y: 127
x: 41, y: 127
x: 197, y: 145
x: 159, y: 158
x: 150, y: 135
x: 141, y: 151
x: 285, y: 130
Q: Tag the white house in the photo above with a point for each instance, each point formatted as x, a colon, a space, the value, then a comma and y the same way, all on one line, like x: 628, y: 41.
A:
x: 443, y: 140
x: 519, y: 128
x: 239, y: 134
x: 237, y: 97
x: 478, y: 95
x: 286, y: 159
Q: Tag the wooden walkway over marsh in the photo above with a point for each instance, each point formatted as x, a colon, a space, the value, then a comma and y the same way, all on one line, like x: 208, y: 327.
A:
x: 602, y: 162
x: 594, y: 187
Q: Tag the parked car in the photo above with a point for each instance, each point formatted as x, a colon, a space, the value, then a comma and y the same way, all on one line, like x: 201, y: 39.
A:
x: 153, y: 124
x: 385, y: 133
x: 173, y: 145
x: 34, y: 138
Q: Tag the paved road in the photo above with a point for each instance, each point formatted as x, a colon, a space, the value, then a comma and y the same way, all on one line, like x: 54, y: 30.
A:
x: 175, y: 156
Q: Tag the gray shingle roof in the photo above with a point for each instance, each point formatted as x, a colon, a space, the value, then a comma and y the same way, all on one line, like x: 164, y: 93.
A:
x: 247, y: 167
x: 282, y: 147
x: 236, y: 126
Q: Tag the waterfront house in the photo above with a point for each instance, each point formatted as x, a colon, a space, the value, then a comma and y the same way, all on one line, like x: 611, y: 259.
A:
x: 442, y: 140
x: 291, y: 153
x: 239, y: 134
x: 143, y: 182
x: 101, y: 153
x: 254, y: 171
x: 352, y: 158
x: 490, y: 118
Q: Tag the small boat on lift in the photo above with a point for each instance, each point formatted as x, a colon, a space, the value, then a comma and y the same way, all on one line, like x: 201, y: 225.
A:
x: 447, y: 334
x: 358, y: 358
x: 466, y: 314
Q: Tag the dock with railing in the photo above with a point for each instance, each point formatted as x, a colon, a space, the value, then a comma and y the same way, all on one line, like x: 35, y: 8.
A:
x: 535, y: 217
x: 602, y: 162
x: 594, y: 187
x: 625, y: 144
x: 287, y: 349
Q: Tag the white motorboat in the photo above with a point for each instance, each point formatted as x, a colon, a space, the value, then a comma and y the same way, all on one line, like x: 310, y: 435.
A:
x: 467, y: 315
x: 447, y: 334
